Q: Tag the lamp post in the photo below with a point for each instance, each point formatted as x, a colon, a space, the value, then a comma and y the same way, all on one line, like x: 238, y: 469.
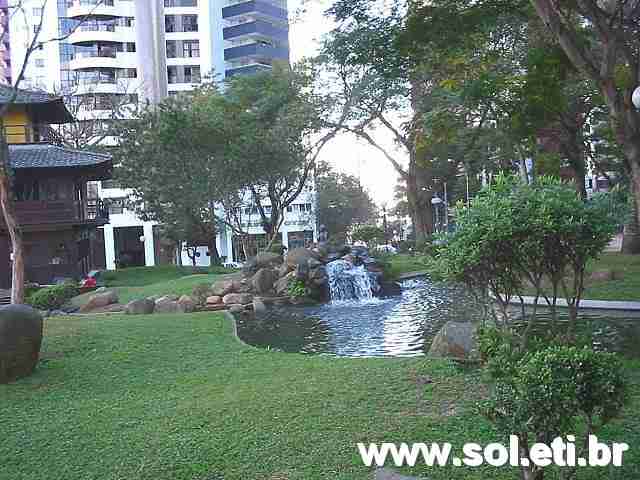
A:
x: 435, y: 201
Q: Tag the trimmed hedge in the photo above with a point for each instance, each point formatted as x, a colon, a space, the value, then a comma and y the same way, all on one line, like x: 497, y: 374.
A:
x: 52, y: 298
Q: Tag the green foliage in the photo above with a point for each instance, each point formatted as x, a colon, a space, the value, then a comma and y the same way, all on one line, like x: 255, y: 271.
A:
x: 54, y: 297
x: 370, y: 234
x: 200, y: 293
x: 515, y: 233
x: 297, y: 288
x: 552, y: 391
x: 276, y: 248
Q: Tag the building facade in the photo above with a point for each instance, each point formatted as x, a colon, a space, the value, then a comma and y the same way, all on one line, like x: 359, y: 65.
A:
x: 120, y: 52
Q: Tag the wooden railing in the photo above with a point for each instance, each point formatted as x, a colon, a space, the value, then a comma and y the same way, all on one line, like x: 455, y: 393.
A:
x: 56, y: 212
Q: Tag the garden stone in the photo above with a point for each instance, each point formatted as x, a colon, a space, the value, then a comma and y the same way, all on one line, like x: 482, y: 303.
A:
x: 456, y: 340
x: 164, y: 305
x: 300, y: 255
x: 313, y: 263
x: 140, y: 307
x: 263, y: 280
x: 386, y: 474
x: 267, y: 260
x: 20, y: 341
x: 318, y: 272
x: 99, y: 300
x: 186, y: 304
x: 259, y: 307
x: 242, y: 286
x: 222, y: 288
x: 170, y: 298
x: 237, y: 298
x: 302, y: 271
x: 282, y: 285
x: 321, y: 281
x: 214, y: 300
x: 283, y: 270
x: 236, y: 308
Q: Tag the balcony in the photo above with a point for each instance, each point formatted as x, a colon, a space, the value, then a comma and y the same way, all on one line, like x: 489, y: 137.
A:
x: 92, y: 9
x: 95, y: 35
x: 30, y: 133
x: 105, y: 59
x: 257, y: 7
x: 257, y: 51
x: 255, y: 29
x: 41, y: 213
x: 246, y: 69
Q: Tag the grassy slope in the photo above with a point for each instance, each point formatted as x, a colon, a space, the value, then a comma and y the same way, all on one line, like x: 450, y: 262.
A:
x: 177, y: 397
x: 136, y: 283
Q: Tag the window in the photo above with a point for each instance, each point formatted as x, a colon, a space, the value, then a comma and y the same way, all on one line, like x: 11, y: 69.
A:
x: 131, y: 47
x: 40, y: 62
x: 116, y: 205
x: 37, y: 12
x: 192, y: 74
x: 189, y: 23
x: 191, y: 49
x: 172, y: 74
x: 170, y: 23
x: 180, y: 3
x: 172, y: 49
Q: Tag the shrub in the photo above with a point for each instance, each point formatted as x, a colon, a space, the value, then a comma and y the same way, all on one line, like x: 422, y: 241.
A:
x: 52, y: 298
x: 200, y: 293
x: 297, y: 288
x: 276, y: 248
x: 550, y: 392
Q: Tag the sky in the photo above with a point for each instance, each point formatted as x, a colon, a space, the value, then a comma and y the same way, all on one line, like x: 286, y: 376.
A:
x: 346, y: 153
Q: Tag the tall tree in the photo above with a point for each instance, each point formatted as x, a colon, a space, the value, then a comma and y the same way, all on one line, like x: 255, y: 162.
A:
x: 600, y: 37
x: 342, y: 203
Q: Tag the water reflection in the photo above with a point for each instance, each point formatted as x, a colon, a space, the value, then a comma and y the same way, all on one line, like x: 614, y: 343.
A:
x: 403, y: 325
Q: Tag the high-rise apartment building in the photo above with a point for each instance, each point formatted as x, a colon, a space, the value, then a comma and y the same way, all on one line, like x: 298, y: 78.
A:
x: 125, y: 51
x: 5, y: 44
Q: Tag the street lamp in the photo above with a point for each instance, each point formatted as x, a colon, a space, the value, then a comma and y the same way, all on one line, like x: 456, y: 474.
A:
x: 435, y: 201
x: 636, y: 98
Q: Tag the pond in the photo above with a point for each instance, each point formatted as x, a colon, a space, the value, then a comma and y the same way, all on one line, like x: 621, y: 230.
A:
x: 401, y: 326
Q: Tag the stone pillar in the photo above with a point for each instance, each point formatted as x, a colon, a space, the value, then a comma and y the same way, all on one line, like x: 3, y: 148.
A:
x: 149, y: 247
x: 109, y: 247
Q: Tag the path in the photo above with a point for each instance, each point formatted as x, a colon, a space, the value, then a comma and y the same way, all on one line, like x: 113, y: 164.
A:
x: 588, y: 304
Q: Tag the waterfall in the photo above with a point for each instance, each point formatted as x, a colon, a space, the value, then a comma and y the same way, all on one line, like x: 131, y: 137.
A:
x: 348, y: 282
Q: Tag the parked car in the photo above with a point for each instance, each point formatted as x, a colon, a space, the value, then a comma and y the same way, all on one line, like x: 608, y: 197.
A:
x: 387, y: 249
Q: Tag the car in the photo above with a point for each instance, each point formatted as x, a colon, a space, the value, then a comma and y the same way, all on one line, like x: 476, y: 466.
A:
x: 387, y: 249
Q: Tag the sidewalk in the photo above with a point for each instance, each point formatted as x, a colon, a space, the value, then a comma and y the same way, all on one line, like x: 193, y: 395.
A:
x: 587, y: 304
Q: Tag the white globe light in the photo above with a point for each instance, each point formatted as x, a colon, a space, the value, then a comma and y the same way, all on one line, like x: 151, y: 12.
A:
x: 636, y: 98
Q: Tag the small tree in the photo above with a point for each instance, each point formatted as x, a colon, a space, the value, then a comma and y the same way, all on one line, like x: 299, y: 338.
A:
x: 516, y: 236
x: 555, y: 392
x: 370, y: 234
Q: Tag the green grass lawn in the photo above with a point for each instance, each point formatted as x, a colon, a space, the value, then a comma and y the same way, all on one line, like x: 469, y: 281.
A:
x: 177, y: 397
x: 627, y: 288
x: 142, y: 282
x: 405, y: 263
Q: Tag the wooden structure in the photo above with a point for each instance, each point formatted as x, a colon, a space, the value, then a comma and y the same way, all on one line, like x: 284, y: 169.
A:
x: 57, y: 214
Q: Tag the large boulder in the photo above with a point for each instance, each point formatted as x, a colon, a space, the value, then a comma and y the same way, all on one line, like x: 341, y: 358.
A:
x: 166, y: 305
x: 259, y: 307
x: 300, y: 255
x: 262, y: 260
x: 237, y: 299
x: 282, y: 285
x: 20, y: 340
x: 100, y: 300
x: 222, y: 288
x: 456, y: 340
x: 140, y: 307
x: 186, y: 304
x: 318, y: 272
x: 263, y: 280
x: 214, y: 300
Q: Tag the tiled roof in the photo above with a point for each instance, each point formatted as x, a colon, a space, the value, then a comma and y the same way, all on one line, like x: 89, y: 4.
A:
x: 25, y: 96
x: 51, y: 156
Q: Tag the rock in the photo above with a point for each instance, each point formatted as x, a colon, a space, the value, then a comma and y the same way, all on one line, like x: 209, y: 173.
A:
x: 20, y: 340
x: 283, y: 270
x: 300, y: 255
x: 242, y: 286
x: 164, y: 305
x: 387, y: 474
x: 282, y: 285
x: 302, y: 271
x: 268, y: 260
x: 237, y: 299
x: 216, y: 308
x: 222, y: 288
x: 313, y: 263
x: 318, y: 272
x: 99, y: 300
x: 263, y: 280
x: 186, y: 304
x: 113, y: 308
x: 236, y: 308
x: 321, y: 281
x: 140, y: 307
x: 214, y: 300
x: 259, y: 307
x: 389, y: 289
x: 456, y: 340
x: 170, y: 298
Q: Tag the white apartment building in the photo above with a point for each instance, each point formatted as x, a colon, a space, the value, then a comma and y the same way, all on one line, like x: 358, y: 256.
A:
x: 144, y: 50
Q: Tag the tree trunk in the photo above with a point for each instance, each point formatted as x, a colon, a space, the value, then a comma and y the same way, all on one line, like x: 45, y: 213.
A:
x: 6, y: 204
x: 631, y: 235
x: 419, y: 200
x: 214, y: 255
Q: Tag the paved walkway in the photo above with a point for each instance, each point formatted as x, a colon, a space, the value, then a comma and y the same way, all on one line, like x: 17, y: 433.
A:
x: 386, y: 474
x: 410, y: 275
x: 588, y: 304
